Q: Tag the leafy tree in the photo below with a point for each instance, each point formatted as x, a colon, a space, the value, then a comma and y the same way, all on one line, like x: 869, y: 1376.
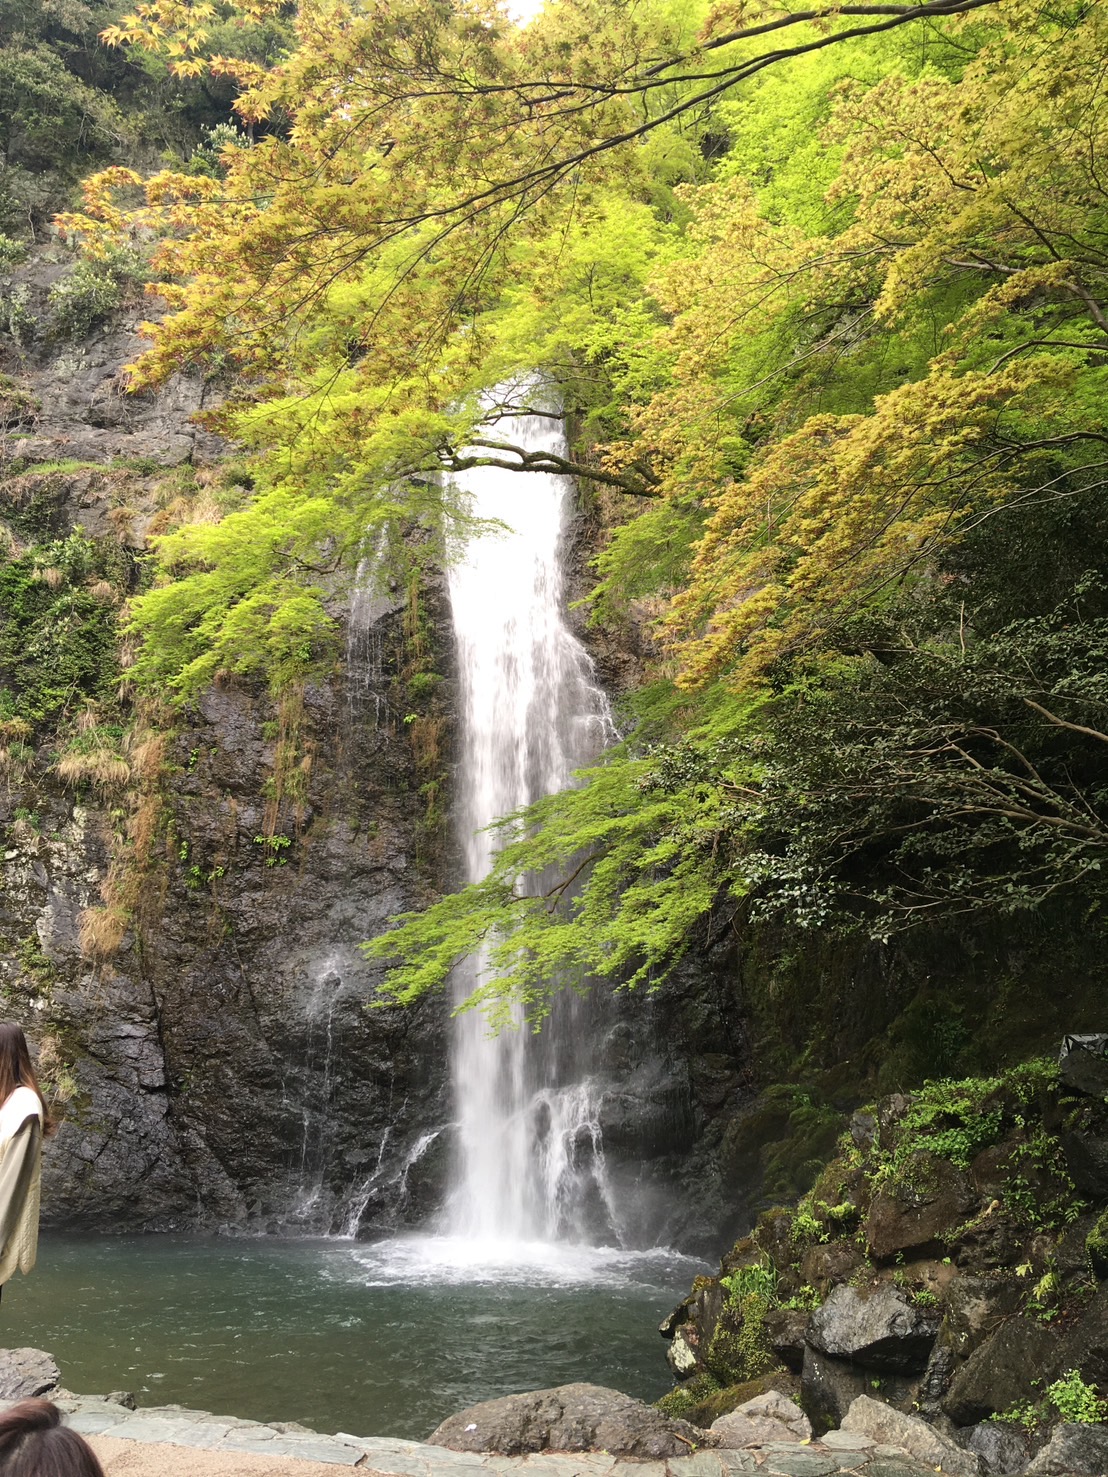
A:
x: 835, y: 382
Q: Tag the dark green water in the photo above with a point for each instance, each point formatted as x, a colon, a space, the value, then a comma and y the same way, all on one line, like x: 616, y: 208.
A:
x: 382, y: 1339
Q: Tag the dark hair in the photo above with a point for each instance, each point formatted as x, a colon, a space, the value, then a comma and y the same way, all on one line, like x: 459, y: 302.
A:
x: 34, y: 1443
x: 16, y: 1070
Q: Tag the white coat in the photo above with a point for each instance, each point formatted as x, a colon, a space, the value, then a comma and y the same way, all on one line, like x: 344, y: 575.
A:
x: 20, y: 1173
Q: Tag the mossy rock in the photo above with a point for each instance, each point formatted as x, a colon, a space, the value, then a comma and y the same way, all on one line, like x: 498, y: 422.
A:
x: 739, y: 1349
x: 703, y: 1400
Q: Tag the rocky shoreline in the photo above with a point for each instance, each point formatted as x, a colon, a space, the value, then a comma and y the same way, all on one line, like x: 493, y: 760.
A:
x: 576, y: 1430
x: 950, y: 1260
x: 571, y: 1431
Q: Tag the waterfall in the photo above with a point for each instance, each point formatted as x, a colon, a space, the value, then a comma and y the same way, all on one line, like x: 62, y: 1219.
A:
x: 529, y: 1163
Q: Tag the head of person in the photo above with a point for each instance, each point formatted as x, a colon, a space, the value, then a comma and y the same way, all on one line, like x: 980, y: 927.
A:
x: 16, y: 1069
x: 34, y: 1443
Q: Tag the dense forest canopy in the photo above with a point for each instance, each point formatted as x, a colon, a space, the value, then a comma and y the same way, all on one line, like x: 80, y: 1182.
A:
x: 824, y: 293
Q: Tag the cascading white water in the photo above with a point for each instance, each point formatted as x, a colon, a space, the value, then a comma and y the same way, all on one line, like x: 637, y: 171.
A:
x: 530, y: 1160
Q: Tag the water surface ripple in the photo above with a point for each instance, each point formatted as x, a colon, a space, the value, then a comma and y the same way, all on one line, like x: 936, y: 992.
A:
x: 376, y: 1339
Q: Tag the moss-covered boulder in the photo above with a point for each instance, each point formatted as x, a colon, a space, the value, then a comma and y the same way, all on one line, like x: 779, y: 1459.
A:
x: 945, y: 1262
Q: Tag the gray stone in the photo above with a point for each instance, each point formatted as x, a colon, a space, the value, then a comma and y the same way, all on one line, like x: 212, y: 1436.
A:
x: 997, y: 1375
x: 1087, y: 1161
x: 1083, y: 1064
x: 576, y: 1417
x: 174, y: 1432
x: 916, y: 1437
x: 828, y: 1386
x: 785, y: 1330
x: 25, y: 1373
x: 765, y: 1418
x: 840, y: 1440
x: 337, y: 1453
x: 92, y: 1422
x: 1001, y: 1447
x: 975, y: 1306
x: 876, y: 1327
x: 698, y: 1464
x: 1073, y: 1451
x: 800, y: 1463
x: 897, y: 1466
x: 736, y: 1461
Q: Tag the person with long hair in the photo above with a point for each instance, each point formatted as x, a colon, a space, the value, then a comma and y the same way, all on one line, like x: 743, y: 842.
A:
x: 24, y: 1120
x: 34, y: 1443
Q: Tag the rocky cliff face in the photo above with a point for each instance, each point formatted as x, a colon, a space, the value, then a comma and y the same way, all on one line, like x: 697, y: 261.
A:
x: 181, y: 925
x: 221, y: 1062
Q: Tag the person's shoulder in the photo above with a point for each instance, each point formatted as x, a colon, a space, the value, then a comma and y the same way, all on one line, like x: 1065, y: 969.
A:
x: 21, y: 1104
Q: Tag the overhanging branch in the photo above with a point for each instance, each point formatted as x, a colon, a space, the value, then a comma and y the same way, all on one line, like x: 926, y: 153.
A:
x: 482, y: 452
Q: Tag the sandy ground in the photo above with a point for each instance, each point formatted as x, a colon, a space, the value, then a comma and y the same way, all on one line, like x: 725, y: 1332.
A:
x: 152, y: 1459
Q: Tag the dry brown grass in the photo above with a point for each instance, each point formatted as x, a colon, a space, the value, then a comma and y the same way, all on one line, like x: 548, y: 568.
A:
x: 121, y: 519
x: 205, y: 510
x: 99, y: 767
x: 142, y: 827
x: 148, y: 755
x: 100, y: 932
x: 425, y: 736
x: 55, y: 1072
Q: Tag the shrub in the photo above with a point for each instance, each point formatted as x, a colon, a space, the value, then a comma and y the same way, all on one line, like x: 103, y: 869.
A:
x: 91, y: 291
x: 12, y: 252
x: 1075, y: 1400
x: 16, y: 315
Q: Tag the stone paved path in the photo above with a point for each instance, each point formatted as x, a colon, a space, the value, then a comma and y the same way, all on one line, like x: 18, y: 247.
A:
x: 145, y: 1441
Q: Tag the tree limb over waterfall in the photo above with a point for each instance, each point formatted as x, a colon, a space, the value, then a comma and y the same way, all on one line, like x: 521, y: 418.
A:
x: 517, y: 459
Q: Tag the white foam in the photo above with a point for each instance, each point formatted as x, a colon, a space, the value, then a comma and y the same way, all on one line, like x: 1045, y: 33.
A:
x: 456, y: 1261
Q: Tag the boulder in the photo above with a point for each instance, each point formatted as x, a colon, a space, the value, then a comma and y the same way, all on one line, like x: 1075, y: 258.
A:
x: 975, y: 1307
x: 1083, y: 1064
x: 863, y: 1129
x: 1071, y: 1259
x: 890, y: 1111
x: 25, y: 1373
x: 936, y: 1379
x: 1073, y: 1451
x: 1003, y: 1448
x: 766, y: 1418
x: 889, y: 1427
x: 829, y: 1387
x: 997, y: 1375
x: 1084, y: 1343
x: 683, y: 1354
x: 1087, y: 1161
x: 567, y: 1418
x: 876, y: 1327
x: 915, y: 1215
x: 785, y: 1329
x: 822, y: 1267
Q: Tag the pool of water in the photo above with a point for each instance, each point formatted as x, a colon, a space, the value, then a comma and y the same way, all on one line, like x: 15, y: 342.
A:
x: 375, y: 1339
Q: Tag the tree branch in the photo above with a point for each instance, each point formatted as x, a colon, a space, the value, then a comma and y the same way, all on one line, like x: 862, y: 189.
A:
x: 546, y: 461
